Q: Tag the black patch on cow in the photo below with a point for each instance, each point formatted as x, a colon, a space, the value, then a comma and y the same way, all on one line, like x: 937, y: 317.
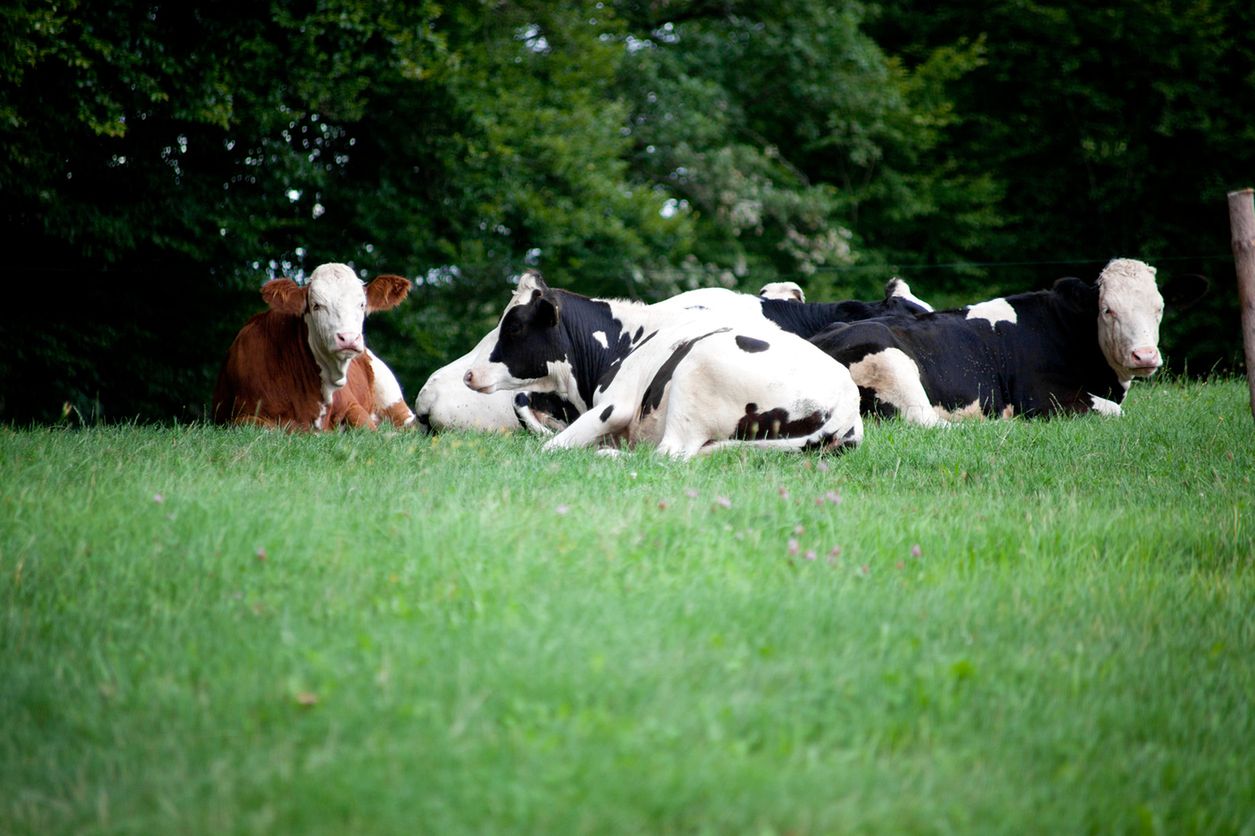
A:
x: 606, y: 413
x: 637, y: 336
x: 603, y: 383
x: 653, y: 392
x: 775, y: 423
x: 751, y: 345
x: 550, y: 403
x: 806, y: 319
x: 521, y: 400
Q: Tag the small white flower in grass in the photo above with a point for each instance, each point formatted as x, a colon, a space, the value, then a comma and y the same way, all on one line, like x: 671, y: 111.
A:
x: 916, y: 551
x: 690, y: 493
x: 793, y: 547
x: 799, y: 530
x: 562, y: 509
x: 723, y: 502
x: 632, y: 474
x: 261, y: 554
x: 810, y: 554
x: 159, y: 498
x: 821, y: 466
x: 833, y: 497
x: 784, y: 493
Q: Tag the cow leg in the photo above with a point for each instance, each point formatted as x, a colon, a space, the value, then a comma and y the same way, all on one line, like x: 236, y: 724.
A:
x: 602, y: 420
x: 527, y: 417
x: 895, y: 379
x: 357, y: 416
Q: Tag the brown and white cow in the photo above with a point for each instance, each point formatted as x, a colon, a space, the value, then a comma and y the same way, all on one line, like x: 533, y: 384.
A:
x: 303, y: 364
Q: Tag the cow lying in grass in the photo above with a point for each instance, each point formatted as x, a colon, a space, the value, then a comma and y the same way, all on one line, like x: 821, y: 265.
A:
x: 445, y: 403
x: 689, y: 381
x: 1073, y: 348
x: 303, y: 363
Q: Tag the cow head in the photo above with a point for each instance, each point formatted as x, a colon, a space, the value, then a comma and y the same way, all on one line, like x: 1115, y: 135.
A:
x: 789, y: 291
x: 334, y: 304
x: 529, y: 343
x: 1129, y: 311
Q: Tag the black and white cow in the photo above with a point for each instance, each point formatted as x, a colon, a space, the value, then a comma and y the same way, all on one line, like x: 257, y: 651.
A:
x: 687, y: 379
x: 1073, y: 348
x: 444, y: 402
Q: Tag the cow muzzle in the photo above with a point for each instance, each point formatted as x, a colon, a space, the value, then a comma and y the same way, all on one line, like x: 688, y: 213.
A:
x: 349, y: 342
x: 1145, y: 360
x: 478, y: 382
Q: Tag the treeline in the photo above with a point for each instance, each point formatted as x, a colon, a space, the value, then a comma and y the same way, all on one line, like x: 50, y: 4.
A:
x: 159, y: 161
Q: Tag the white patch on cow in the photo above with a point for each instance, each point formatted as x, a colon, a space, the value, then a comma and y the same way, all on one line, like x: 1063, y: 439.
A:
x: 1105, y: 407
x: 388, y: 394
x: 993, y: 311
x: 963, y: 413
x: 894, y: 377
x: 789, y: 291
x: 902, y: 290
x: 1130, y: 309
x: 600, y: 337
x: 446, y: 403
x: 335, y: 312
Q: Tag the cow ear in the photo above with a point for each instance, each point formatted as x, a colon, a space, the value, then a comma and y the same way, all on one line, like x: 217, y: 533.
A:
x: 386, y: 292
x: 532, y: 280
x: 285, y: 296
x: 547, y: 311
x: 1183, y: 291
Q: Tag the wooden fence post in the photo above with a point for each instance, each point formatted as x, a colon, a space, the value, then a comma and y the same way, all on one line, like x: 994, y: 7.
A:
x: 1242, y: 225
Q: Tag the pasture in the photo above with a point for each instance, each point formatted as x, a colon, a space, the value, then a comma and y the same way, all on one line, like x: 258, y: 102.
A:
x: 1007, y: 627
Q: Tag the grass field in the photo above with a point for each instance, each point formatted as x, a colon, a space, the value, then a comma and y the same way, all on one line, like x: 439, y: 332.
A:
x: 1006, y: 627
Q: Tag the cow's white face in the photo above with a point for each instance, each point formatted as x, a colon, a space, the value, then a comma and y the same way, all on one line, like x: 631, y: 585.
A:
x: 334, y: 315
x: 1129, y: 311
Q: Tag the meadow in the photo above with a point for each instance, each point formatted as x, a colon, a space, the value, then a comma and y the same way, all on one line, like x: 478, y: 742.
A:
x: 1005, y: 627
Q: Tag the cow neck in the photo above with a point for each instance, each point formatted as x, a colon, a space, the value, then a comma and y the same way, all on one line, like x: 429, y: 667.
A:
x: 805, y: 319
x: 332, y: 375
x: 581, y: 318
x: 1073, y: 327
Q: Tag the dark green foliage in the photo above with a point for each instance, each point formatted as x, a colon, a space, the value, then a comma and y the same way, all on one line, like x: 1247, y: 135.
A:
x: 160, y: 161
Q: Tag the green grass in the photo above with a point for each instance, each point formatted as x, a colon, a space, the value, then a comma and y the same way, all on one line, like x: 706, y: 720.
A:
x: 211, y: 631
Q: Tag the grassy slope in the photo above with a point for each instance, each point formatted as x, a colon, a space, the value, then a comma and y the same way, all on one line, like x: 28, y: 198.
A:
x: 463, y: 635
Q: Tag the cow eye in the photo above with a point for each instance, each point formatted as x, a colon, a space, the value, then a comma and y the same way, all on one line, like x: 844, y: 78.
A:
x: 1109, y: 313
x: 315, y: 307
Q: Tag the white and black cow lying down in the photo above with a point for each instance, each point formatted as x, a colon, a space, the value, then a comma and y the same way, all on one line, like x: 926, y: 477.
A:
x: 1074, y: 348
x: 690, y: 381
x: 445, y: 402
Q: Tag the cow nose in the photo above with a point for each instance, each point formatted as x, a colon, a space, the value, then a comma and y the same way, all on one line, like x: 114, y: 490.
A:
x: 349, y: 341
x: 1146, y: 357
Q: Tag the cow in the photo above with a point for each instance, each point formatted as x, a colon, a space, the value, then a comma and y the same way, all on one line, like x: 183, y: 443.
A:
x: 688, y: 380
x: 445, y: 403
x: 303, y: 364
x: 1072, y: 349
